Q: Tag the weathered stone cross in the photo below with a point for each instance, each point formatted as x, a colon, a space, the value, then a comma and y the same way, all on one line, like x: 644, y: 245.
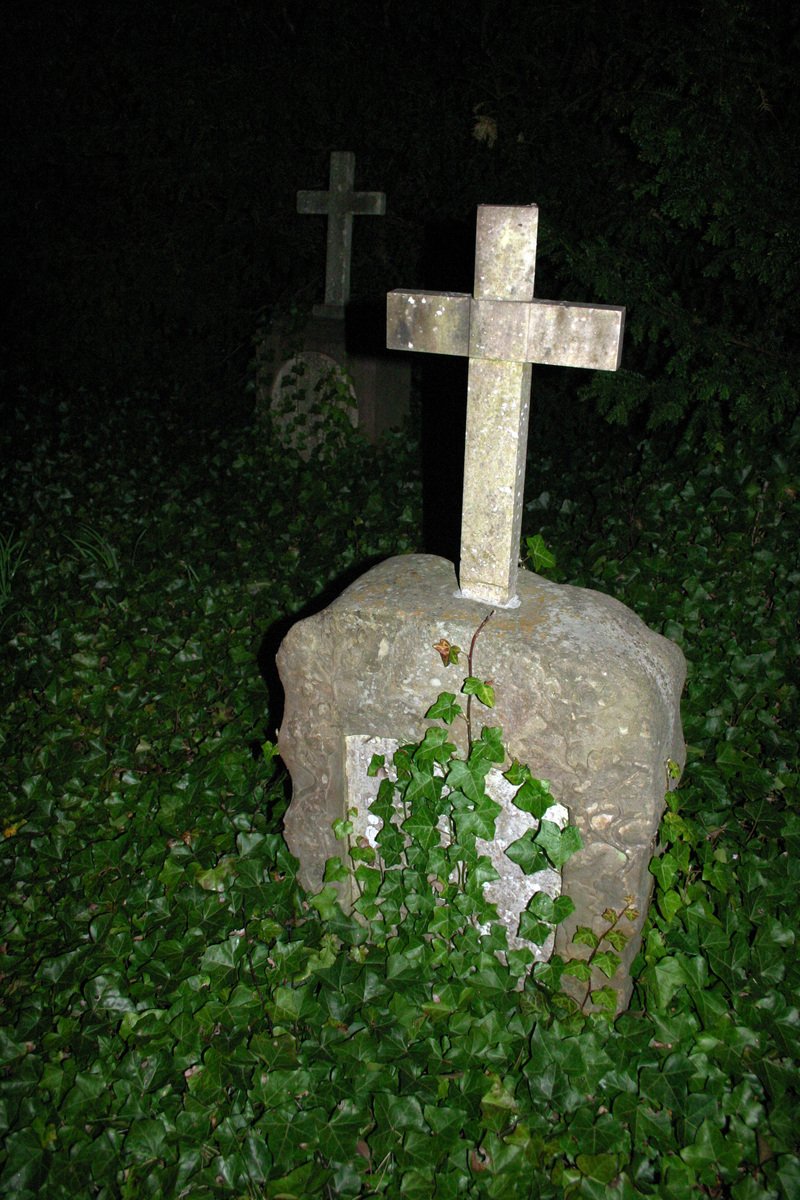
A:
x: 340, y: 204
x: 502, y: 330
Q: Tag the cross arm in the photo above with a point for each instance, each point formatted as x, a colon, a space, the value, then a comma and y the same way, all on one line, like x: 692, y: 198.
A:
x: 357, y: 204
x: 313, y: 203
x: 431, y: 322
x: 535, y: 331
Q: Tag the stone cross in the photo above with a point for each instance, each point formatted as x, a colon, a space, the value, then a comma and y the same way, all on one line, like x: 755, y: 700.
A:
x: 502, y: 330
x: 340, y: 204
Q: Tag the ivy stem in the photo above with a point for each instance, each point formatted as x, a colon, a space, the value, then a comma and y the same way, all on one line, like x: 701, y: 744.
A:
x: 488, y: 616
x: 617, y: 918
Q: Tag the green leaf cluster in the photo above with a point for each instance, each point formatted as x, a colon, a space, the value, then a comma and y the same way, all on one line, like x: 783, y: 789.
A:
x: 179, y: 1018
x: 421, y: 884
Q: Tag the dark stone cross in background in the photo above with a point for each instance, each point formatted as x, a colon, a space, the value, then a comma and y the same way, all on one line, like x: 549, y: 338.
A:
x: 340, y: 204
x: 334, y: 347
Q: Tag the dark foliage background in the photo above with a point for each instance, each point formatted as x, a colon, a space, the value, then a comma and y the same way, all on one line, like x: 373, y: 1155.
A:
x: 154, y: 153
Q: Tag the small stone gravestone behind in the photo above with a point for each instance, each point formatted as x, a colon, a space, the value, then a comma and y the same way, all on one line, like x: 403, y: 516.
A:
x: 299, y: 373
x: 586, y: 695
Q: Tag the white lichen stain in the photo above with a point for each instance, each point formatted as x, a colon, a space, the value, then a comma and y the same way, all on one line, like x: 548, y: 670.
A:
x: 601, y: 821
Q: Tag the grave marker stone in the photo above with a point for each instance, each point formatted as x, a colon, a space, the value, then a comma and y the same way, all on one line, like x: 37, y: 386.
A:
x: 381, y: 380
x: 586, y: 694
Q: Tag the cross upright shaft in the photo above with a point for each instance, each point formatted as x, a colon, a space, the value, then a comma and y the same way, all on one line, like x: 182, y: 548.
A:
x: 502, y: 330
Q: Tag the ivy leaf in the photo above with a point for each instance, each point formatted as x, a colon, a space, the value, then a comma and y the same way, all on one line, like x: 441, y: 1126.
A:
x: 216, y: 878
x: 448, y: 653
x: 391, y: 844
x: 665, y: 869
x: 541, y: 558
x: 422, y: 826
x: 468, y: 778
x: 399, y: 1113
x: 489, y: 746
x: 422, y: 789
x: 541, y: 906
x: 605, y: 999
x: 712, y: 1148
x: 584, y: 936
x: 444, y: 708
x: 335, y: 871
x: 342, y: 1131
x: 434, y: 748
x: 383, y: 805
x: 376, y: 763
x: 533, y: 930
x: 664, y: 979
x: 578, y: 968
x: 146, y: 1139
x: 533, y: 795
x: 482, y: 871
x: 527, y: 855
x: 326, y: 902
x: 559, y: 845
x: 606, y: 962
x: 563, y: 907
x: 479, y: 688
x: 477, y: 822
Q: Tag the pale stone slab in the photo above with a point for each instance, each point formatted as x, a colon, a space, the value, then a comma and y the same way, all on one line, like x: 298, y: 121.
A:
x: 512, y: 892
x: 587, y: 696
x: 288, y: 367
x: 503, y: 330
x: 297, y: 393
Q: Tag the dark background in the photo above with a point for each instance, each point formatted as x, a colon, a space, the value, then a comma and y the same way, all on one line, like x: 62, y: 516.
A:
x: 153, y: 153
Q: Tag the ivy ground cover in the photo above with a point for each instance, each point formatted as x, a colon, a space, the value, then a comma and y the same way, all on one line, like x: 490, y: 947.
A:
x: 179, y: 1019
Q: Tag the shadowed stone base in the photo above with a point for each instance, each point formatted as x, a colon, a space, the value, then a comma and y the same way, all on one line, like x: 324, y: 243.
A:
x: 586, y: 695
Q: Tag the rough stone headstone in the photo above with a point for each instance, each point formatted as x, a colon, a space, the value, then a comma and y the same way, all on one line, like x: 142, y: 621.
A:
x: 587, y: 695
x: 380, y: 381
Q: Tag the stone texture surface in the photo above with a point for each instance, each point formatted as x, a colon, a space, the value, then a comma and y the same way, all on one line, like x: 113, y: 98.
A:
x: 587, y: 696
